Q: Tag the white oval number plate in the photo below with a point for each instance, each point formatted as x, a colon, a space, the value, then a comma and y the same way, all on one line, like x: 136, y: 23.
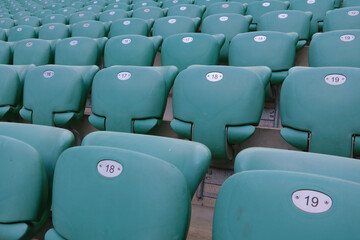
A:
x: 48, y: 74
x: 311, y: 201
x: 260, y: 38
x: 187, y: 39
x: 353, y: 13
x: 214, y: 76
x: 347, y: 38
x: 283, y: 15
x: 109, y: 168
x: 124, y: 76
x: 335, y: 79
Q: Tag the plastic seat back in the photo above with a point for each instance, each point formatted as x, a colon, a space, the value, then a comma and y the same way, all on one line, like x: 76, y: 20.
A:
x: 344, y: 18
x: 136, y: 103
x: 131, y: 50
x: 116, y: 178
x: 53, y: 31
x: 130, y: 26
x: 67, y: 11
x: 252, y: 159
x: 112, y: 15
x: 32, y: 51
x: 229, y: 24
x: 147, y: 13
x: 117, y: 6
x: 275, y: 50
x: 185, y: 49
x: 5, y: 52
x: 81, y: 16
x: 6, y: 23
x: 22, y: 169
x: 204, y: 106
x: 145, y: 4
x: 42, y: 13
x: 344, y: 43
x: 170, y: 3
x: 21, y: 32
x: 318, y: 204
x: 90, y: 28
x: 55, y: 95
x: 228, y: 7
x: 350, y: 3
x: 206, y: 3
x: 79, y: 51
x: 313, y: 112
x: 54, y: 18
x: 287, y: 21
x: 186, y: 10
x: 168, y: 26
x: 29, y: 20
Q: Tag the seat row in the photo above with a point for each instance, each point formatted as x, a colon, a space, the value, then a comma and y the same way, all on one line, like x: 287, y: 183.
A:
x: 133, y: 99
x: 119, y: 185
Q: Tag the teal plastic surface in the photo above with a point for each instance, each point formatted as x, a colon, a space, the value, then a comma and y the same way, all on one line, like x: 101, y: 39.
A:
x: 67, y: 11
x: 191, y: 158
x: 206, y: 3
x: 134, y: 204
x: 147, y: 13
x: 185, y: 49
x: 20, y: 15
x: 23, y: 170
x: 223, y: 8
x: 32, y: 51
x: 81, y: 16
x: 350, y: 3
x: 343, y: 18
x: 322, y: 101
x: 52, y: 90
x: 287, y: 21
x: 275, y: 50
x: 205, y: 96
x: 42, y: 13
x: 130, y: 26
x: 29, y: 20
x: 21, y: 32
x: 6, y: 23
x: 92, y: 8
x: 79, y: 51
x: 229, y: 24
x: 260, y: 205
x: 53, y: 31
x: 259, y: 8
x: 112, y: 15
x: 186, y: 10
x: 11, y: 82
x: 5, y: 52
x: 317, y: 8
x: 171, y: 3
x: 124, y: 94
x: 89, y: 28
x: 131, y: 50
x: 168, y: 26
x: 252, y: 159
x: 297, y: 138
x: 54, y: 18
x: 118, y: 6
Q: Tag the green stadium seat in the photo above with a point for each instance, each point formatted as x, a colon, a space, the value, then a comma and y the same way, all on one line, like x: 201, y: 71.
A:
x: 191, y: 158
x: 21, y: 32
x: 53, y: 31
x: 185, y: 49
x: 6, y: 23
x: 343, y: 18
x: 81, y: 16
x: 317, y: 7
x: 101, y: 3
x: 11, y: 82
x: 55, y: 95
x: 125, y: 200
x: 253, y: 159
x: 287, y: 21
x: 127, y: 26
x: 20, y: 15
x: 228, y: 7
x: 286, y: 205
x: 92, y: 8
x: 24, y: 201
x: 186, y: 10
x: 168, y: 26
x: 206, y: 3
x: 89, y: 28
x: 5, y: 15
x: 29, y: 20
x: 229, y: 24
x: 316, y: 109
x: 117, y: 6
x: 77, y: 4
x: 113, y: 15
x: 5, y: 52
x: 147, y: 3
x: 346, y: 44
x: 3, y: 34
x: 54, y: 6
x: 42, y: 13
x: 147, y: 13
x: 275, y: 50
x: 170, y: 3
x: 67, y: 11
x: 131, y: 50
x: 219, y: 105
x: 247, y: 2
x: 120, y: 1
x: 54, y: 18
x: 79, y: 51
x: 32, y: 51
x: 259, y: 8
x: 350, y: 3
x: 136, y: 103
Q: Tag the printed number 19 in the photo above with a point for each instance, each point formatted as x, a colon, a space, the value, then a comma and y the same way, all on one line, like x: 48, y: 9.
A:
x: 314, y: 201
